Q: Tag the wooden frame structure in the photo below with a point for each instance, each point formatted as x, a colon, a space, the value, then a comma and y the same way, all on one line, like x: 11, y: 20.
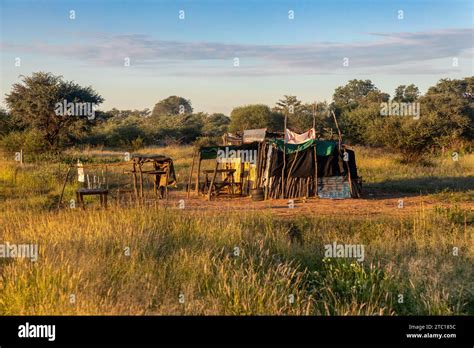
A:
x: 162, y: 168
x: 211, y: 187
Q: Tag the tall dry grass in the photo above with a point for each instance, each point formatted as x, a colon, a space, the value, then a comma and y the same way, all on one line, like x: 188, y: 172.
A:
x: 157, y: 260
x: 234, y: 263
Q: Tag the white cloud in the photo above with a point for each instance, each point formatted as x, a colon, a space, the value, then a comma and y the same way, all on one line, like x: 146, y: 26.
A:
x: 390, y: 53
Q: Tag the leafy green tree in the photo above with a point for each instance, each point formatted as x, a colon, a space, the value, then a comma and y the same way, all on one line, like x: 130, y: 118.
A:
x: 411, y: 138
x: 451, y: 104
x: 357, y: 106
x: 33, y: 105
x: 446, y: 120
x: 172, y: 105
x: 177, y: 129
x: 253, y: 117
x: 215, y: 125
x: 300, y: 116
x: 348, y: 97
x: 118, y: 131
x: 289, y: 105
x: 406, y: 94
x: 6, y: 123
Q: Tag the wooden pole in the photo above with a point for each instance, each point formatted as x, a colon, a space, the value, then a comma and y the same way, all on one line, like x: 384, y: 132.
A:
x: 284, y: 158
x: 191, y: 175
x: 167, y: 178
x: 135, y: 179
x: 209, y: 193
x: 338, y: 129
x: 289, y: 178
x: 258, y: 166
x: 340, y: 151
x: 64, y: 186
x: 141, y: 179
x: 106, y: 177
x: 198, y: 172
x: 242, y: 169
x: 315, y: 154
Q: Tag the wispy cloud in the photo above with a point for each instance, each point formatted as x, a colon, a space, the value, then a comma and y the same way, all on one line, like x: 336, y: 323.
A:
x: 388, y: 53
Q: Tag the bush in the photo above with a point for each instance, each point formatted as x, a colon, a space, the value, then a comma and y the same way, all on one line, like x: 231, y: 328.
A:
x: 30, y: 141
x: 255, y: 116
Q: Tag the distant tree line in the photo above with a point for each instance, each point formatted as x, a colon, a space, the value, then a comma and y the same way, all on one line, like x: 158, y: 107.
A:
x: 409, y: 123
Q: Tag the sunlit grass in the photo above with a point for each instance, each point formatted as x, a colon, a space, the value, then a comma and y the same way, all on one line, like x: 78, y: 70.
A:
x: 234, y: 262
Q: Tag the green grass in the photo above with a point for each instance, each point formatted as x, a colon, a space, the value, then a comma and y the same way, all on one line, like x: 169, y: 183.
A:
x: 173, y: 253
x: 236, y: 262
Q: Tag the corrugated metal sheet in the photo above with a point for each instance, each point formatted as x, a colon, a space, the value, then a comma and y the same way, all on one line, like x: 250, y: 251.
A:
x: 252, y: 135
x: 334, y: 187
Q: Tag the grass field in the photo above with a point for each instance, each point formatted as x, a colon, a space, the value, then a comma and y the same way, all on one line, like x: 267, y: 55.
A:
x: 163, y: 260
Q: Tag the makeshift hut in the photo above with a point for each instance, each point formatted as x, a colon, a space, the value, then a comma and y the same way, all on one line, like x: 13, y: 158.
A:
x: 279, y: 166
x: 312, y: 168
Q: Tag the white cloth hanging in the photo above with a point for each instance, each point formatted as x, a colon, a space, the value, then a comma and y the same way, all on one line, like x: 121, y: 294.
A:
x: 295, y: 138
x: 80, y: 172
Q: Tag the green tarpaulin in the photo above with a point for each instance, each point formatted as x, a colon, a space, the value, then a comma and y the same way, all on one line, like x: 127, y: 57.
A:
x: 323, y: 147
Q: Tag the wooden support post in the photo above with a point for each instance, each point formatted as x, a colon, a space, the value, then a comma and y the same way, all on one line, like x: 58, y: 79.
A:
x: 338, y: 129
x: 141, y: 179
x: 209, y: 193
x: 191, y: 175
x: 81, y: 200
x: 135, y: 189
x: 242, y: 177
x: 340, y: 151
x: 315, y: 154
x: 315, y: 169
x: 64, y: 186
x: 348, y: 173
x: 106, y: 177
x: 284, y: 159
x: 166, y: 179
x: 258, y: 166
x: 289, y: 178
x: 197, y: 174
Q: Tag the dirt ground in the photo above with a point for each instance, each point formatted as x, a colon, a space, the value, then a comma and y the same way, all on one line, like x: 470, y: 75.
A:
x: 372, y: 204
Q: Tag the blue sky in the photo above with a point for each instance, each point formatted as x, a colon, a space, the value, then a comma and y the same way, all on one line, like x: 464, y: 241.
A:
x: 194, y: 57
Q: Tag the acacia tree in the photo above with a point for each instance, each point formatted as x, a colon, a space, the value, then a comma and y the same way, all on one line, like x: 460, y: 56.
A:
x: 32, y: 104
x: 299, y: 116
x: 350, y: 96
x: 406, y: 94
x: 172, y: 105
x: 255, y: 116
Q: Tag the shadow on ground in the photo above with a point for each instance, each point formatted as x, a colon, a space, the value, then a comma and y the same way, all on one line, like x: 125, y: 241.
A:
x: 417, y: 186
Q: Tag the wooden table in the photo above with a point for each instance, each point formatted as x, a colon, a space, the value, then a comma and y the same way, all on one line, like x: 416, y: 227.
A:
x: 102, y: 193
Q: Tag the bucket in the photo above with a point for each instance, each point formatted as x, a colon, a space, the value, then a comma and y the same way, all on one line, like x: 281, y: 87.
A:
x: 257, y: 194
